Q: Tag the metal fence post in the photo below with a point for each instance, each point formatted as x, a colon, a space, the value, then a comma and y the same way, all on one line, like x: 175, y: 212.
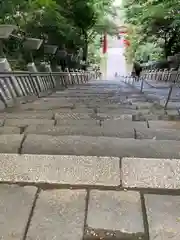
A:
x: 142, y: 84
x: 169, y: 96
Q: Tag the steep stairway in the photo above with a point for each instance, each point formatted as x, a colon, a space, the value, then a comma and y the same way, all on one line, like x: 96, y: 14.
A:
x: 95, y: 161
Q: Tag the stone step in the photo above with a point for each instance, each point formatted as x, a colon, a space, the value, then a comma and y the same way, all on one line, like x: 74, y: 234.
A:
x: 26, y: 122
x: 149, y: 173
x: 15, y: 199
x: 89, y: 212
x: 100, y: 146
x: 109, y: 215
x: 72, y: 115
x: 82, y: 122
x: 85, y: 130
x: 164, y: 124
x: 59, y: 169
x: 11, y: 143
x: 10, y: 130
x: 83, y: 171
x: 27, y: 115
x: 111, y: 124
x: 158, y: 134
x: 120, y: 132
x: 132, y: 116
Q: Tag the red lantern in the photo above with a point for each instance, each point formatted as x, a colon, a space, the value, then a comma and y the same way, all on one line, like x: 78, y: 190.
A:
x: 126, y: 42
x: 105, y: 43
x: 123, y: 32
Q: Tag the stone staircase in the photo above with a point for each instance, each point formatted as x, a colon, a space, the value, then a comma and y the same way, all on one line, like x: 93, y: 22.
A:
x: 95, y: 161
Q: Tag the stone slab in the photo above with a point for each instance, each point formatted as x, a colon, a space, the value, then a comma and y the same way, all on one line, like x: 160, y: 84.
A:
x: 15, y: 207
x: 1, y: 122
x: 26, y: 122
x: 100, y: 146
x: 74, y: 116
x: 164, y: 124
x: 28, y: 115
x: 158, y: 134
x: 46, y: 105
x: 82, y: 122
x: 22, y: 100
x: 127, y: 117
x: 119, y: 124
x: 9, y: 130
x: 163, y: 216
x: 151, y: 173
x: 59, y: 214
x: 171, y: 105
x: 73, y: 170
x: 115, y: 212
x: 142, y: 104
x: 10, y: 143
x: 84, y: 130
x: 75, y: 110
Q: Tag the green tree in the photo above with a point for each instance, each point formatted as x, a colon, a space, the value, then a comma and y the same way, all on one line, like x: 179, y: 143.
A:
x: 73, y: 24
x: 158, y: 23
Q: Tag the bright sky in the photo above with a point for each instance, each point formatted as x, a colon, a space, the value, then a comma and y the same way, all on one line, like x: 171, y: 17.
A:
x: 117, y: 2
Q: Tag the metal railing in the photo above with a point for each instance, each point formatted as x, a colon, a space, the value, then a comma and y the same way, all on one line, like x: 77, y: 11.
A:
x: 171, y: 78
x: 15, y: 86
x: 165, y: 75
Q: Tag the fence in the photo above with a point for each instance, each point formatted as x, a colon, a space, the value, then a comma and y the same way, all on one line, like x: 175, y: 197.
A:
x: 169, y: 79
x: 165, y: 75
x: 16, y: 87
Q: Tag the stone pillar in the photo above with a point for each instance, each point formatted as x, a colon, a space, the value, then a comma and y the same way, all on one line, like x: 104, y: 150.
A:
x: 69, y: 76
x: 47, y: 68
x: 15, y: 89
x: 32, y: 68
x: 59, y: 68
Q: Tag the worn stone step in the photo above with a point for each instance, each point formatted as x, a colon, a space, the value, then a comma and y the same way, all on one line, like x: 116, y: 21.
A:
x: 26, y: 122
x: 163, y: 216
x: 72, y: 115
x: 158, y: 134
x: 114, y: 215
x: 28, y: 115
x: 47, y: 105
x: 10, y: 130
x: 59, y: 169
x: 58, y: 213
x: 119, y: 124
x: 100, y: 146
x: 75, y: 110
x: 15, y: 199
x: 10, y: 143
x: 82, y: 122
x: 86, y: 130
x: 164, y: 124
x: 132, y: 116
x: 157, y: 173
x: 109, y: 123
x: 154, y: 117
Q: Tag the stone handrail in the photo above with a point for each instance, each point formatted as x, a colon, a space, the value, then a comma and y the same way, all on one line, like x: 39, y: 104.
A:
x: 17, y: 87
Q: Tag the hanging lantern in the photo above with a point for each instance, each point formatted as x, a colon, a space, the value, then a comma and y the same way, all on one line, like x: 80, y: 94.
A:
x: 126, y: 42
x: 123, y: 32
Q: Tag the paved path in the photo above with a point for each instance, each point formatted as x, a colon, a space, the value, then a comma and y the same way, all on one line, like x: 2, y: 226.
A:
x: 96, y: 161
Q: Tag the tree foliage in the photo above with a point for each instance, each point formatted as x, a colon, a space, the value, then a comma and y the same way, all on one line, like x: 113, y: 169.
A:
x: 70, y: 24
x: 157, y: 27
